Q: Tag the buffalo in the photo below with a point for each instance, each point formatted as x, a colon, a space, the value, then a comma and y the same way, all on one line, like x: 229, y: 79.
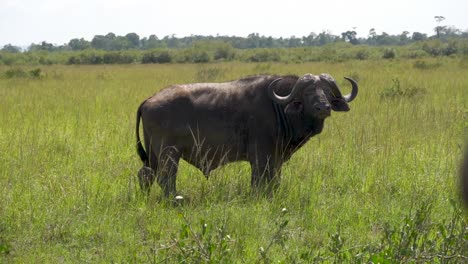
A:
x: 261, y: 119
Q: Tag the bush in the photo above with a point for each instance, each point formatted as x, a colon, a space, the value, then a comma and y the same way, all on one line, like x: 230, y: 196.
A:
x: 224, y: 51
x: 117, y: 58
x: 396, y: 91
x: 91, y: 58
x: 422, y: 65
x: 362, y: 54
x: 389, y: 53
x: 415, y: 54
x: 263, y: 55
x: 192, y: 55
x: 20, y: 73
x: 157, y: 57
x: 15, y: 73
x: 36, y: 73
x: 200, y: 56
x: 209, y: 74
x: 438, y: 48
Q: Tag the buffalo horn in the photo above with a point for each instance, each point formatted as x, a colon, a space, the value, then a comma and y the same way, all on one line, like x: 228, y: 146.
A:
x: 337, y: 93
x: 354, y: 91
x: 282, y: 99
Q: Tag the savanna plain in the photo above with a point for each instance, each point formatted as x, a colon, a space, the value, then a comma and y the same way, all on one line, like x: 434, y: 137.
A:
x: 380, y: 184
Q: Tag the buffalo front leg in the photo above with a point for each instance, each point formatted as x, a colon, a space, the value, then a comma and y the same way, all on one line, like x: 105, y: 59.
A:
x: 265, y: 174
x: 167, y: 170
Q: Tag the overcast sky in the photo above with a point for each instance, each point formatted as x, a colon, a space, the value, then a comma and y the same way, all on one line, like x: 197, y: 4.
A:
x: 23, y: 22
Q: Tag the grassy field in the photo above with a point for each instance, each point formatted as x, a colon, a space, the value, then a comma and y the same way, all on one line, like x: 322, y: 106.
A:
x: 379, y: 184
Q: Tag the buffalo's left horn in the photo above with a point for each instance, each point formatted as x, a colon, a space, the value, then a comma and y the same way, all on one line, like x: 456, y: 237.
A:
x: 350, y: 97
x: 298, y: 87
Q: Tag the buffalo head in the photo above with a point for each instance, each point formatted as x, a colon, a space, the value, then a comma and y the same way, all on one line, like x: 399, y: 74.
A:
x: 314, y: 96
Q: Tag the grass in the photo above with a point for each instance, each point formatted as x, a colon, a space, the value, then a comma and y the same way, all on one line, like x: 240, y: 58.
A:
x: 379, y: 184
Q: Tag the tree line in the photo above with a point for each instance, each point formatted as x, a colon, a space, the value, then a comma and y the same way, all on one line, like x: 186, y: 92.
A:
x: 131, y: 41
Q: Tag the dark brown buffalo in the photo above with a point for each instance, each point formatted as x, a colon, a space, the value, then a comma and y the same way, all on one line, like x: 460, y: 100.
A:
x: 261, y: 119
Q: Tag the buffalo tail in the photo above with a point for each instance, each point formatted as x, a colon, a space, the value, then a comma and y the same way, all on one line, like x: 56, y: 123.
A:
x: 141, y: 151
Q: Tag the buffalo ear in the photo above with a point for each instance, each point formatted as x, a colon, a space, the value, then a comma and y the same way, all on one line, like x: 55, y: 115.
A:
x: 295, y: 107
x: 339, y: 105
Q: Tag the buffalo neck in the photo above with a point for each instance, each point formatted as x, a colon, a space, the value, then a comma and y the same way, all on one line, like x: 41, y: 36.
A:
x: 298, y: 130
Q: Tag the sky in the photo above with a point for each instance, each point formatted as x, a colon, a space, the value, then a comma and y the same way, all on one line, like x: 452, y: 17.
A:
x: 23, y: 22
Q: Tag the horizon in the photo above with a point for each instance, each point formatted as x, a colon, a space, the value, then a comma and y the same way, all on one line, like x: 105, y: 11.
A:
x: 51, y: 20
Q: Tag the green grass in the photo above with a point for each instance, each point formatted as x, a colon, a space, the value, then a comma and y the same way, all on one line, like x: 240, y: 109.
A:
x: 380, y: 183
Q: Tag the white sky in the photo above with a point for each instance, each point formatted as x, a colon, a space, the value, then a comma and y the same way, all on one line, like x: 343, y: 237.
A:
x: 23, y: 22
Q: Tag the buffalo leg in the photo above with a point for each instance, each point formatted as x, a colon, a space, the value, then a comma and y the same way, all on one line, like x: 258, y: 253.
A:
x: 146, y: 174
x: 265, y: 174
x: 167, y: 170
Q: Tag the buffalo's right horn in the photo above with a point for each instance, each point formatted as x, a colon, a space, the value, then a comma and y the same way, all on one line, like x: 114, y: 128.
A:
x: 350, y: 97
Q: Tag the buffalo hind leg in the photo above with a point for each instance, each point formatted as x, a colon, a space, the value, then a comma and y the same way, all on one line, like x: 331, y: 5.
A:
x: 167, y: 170
x: 147, y: 174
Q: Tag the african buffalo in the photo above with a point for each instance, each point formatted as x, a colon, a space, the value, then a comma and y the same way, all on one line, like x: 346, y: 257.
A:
x: 261, y: 119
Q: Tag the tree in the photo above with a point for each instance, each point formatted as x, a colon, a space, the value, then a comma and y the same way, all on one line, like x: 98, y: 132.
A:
x: 101, y: 42
x: 120, y: 43
x: 110, y: 36
x: 79, y: 44
x: 253, y: 41
x: 310, y: 39
x: 11, y: 49
x: 350, y: 36
x: 172, y: 41
x: 417, y: 36
x: 404, y: 38
x: 450, y: 31
x: 134, y: 39
x: 324, y: 38
x: 43, y: 46
x: 371, y: 39
x: 294, y: 42
x: 439, y: 28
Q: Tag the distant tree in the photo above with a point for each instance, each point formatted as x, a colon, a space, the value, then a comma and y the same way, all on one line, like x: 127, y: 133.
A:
x: 79, y: 44
x: 294, y: 42
x: 172, y: 41
x: 450, y: 31
x: 11, y: 49
x: 386, y: 39
x: 253, y: 40
x: 268, y: 42
x: 152, y: 42
x: 101, y: 42
x: 404, y: 39
x: 439, y: 28
x: 134, y: 39
x: 110, y: 36
x: 371, y: 39
x: 120, y: 43
x: 464, y: 34
x: 324, y: 38
x: 350, y: 36
x: 417, y: 36
x: 310, y: 39
x: 43, y: 46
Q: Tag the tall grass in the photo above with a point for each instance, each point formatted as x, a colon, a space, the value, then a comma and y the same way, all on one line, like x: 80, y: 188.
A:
x: 360, y: 191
